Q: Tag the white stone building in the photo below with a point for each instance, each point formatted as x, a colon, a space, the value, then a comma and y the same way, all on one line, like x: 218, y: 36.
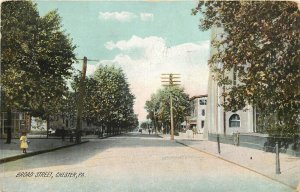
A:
x: 217, y: 120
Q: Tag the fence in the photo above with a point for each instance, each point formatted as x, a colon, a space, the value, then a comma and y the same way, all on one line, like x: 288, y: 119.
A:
x: 290, y: 146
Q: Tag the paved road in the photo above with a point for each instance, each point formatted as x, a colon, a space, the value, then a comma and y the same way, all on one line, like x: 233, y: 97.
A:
x: 132, y: 162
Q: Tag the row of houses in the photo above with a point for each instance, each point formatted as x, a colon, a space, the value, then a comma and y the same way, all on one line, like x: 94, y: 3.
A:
x: 23, y: 122
x: 20, y: 122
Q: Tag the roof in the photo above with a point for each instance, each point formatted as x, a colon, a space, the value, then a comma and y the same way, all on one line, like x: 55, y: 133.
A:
x: 193, y: 119
x: 197, y: 96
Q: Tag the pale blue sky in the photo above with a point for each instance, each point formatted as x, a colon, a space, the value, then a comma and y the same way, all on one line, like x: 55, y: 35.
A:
x: 172, y: 21
x: 144, y: 38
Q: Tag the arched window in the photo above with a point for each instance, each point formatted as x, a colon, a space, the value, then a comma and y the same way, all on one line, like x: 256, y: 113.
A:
x: 234, y: 121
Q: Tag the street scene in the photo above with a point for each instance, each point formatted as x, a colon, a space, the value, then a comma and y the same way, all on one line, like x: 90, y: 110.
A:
x: 133, y: 162
x: 150, y: 96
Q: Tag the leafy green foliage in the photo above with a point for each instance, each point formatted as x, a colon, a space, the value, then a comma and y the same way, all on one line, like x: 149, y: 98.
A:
x: 108, y: 100
x: 36, y: 58
x: 158, y: 107
x: 144, y: 125
x: 260, y: 43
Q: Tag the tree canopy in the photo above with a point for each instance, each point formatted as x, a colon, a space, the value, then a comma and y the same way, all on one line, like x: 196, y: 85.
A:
x: 108, y: 100
x: 36, y: 58
x: 158, y: 107
x: 260, y: 45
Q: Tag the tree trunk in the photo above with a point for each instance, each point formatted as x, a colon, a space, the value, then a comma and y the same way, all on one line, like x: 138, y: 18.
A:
x: 8, y: 126
x: 99, y: 132
x: 48, y: 125
x: 108, y: 130
x: 155, y: 125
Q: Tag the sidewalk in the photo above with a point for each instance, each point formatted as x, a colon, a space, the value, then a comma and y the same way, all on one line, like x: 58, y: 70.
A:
x: 258, y: 161
x: 37, y: 145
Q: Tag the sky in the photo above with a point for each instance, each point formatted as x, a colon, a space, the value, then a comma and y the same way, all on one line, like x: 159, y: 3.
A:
x: 145, y: 39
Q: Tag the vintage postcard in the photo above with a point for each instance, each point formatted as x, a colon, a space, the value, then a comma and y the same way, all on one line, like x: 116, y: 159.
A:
x: 150, y: 96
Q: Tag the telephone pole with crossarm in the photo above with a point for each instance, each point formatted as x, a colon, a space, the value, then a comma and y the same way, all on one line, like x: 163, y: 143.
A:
x: 171, y: 79
x: 81, y: 99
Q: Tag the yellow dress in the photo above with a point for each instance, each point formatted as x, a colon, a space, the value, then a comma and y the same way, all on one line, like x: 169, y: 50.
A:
x: 23, y: 140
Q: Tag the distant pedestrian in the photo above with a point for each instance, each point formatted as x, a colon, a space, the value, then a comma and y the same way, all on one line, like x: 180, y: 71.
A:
x: 194, y: 131
x: 149, y: 131
x: 23, y: 142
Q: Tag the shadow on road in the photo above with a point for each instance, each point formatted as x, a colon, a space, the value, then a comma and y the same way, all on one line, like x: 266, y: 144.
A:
x: 80, y: 153
x: 136, y: 134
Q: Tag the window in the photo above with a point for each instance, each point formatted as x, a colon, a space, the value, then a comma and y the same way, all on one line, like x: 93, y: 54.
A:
x: 202, y: 124
x: 202, y: 101
x: 234, y: 121
x: 203, y: 112
x: 6, y: 126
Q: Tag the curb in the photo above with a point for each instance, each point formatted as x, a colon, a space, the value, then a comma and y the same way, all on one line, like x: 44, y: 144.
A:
x: 16, y: 157
x: 211, y: 154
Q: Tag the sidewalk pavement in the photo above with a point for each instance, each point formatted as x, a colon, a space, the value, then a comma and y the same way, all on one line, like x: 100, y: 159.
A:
x: 37, y: 145
x: 261, y: 162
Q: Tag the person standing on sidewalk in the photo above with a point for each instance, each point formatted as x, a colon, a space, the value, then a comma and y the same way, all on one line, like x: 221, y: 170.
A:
x: 194, y: 131
x: 23, y: 142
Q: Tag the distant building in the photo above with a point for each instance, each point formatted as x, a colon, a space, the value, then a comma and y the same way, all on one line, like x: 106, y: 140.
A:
x: 58, y: 122
x: 198, y: 112
x: 21, y: 122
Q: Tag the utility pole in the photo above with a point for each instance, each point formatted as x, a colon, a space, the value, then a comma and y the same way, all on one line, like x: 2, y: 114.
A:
x: 81, y: 99
x: 172, y: 80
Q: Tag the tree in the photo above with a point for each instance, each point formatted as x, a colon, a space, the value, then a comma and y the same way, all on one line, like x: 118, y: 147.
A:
x: 158, y: 107
x: 109, y: 101
x: 36, y: 58
x: 144, y: 125
x: 260, y: 45
x: 54, y: 54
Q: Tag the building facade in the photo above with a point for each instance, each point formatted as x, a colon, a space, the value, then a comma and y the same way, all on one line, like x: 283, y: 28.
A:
x: 59, y: 122
x: 21, y: 122
x: 219, y: 121
x: 198, y: 113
